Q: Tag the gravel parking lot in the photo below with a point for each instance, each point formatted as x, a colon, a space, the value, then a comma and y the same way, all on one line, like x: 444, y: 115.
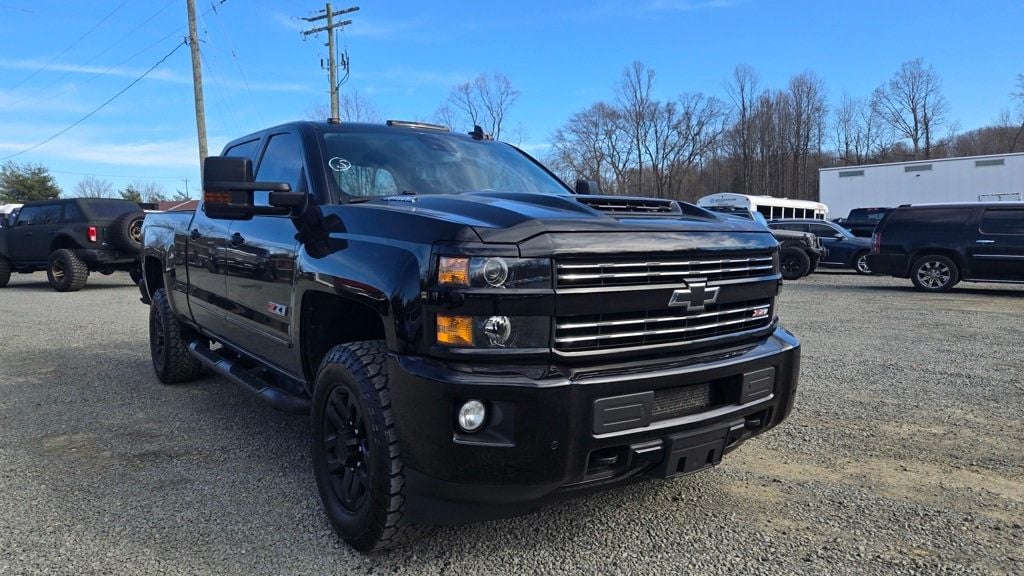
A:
x: 905, y: 455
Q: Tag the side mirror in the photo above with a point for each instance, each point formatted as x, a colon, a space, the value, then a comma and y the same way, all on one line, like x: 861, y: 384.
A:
x: 587, y: 187
x: 228, y: 188
x: 838, y: 236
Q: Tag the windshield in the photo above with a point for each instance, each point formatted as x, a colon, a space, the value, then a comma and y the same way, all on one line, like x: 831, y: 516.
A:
x: 381, y: 163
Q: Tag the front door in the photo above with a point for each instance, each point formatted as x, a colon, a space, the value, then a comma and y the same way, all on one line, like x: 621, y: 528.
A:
x: 260, y: 261
x: 34, y: 232
x: 997, y: 251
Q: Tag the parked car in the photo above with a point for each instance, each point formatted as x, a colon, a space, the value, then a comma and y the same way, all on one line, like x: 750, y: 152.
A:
x: 470, y: 337
x: 69, y: 238
x: 862, y: 221
x: 844, y: 250
x: 939, y: 245
x: 799, y: 252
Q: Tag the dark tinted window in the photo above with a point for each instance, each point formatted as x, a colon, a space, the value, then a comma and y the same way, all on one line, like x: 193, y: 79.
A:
x: 932, y: 218
x: 794, y: 226
x: 822, y: 231
x: 282, y: 162
x: 245, y: 149
x: 1003, y: 221
x: 37, y: 215
x: 28, y: 214
x: 867, y: 214
x: 72, y: 213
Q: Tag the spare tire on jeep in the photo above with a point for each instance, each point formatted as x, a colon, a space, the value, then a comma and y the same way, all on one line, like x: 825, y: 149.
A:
x: 127, y: 231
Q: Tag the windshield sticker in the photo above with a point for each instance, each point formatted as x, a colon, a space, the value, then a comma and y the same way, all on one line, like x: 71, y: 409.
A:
x: 339, y: 164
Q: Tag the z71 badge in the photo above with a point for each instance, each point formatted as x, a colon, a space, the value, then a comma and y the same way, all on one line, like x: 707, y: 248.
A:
x: 277, y: 309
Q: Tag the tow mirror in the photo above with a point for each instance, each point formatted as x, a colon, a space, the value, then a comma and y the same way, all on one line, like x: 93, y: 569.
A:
x: 228, y: 188
x: 587, y: 187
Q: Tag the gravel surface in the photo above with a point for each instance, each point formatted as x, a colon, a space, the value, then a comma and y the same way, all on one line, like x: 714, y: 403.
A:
x: 903, y: 456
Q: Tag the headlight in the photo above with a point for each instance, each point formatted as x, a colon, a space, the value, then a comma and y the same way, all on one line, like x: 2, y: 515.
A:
x: 494, y: 331
x: 494, y: 272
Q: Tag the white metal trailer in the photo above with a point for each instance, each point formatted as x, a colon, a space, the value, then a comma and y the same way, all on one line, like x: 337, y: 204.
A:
x: 999, y: 177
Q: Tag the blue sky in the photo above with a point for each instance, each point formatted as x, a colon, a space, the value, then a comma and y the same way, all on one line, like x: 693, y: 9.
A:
x: 60, y: 60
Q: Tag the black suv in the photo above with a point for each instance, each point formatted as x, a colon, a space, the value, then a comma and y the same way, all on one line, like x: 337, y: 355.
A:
x: 862, y: 221
x: 938, y: 245
x: 70, y: 238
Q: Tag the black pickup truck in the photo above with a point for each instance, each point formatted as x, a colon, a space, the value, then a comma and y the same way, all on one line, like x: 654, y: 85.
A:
x: 71, y: 237
x: 471, y: 338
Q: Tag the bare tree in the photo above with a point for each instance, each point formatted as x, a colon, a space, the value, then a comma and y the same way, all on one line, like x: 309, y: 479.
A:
x: 593, y: 145
x: 742, y: 90
x: 485, y: 102
x: 808, y: 112
x: 93, y: 187
x: 1018, y: 98
x: 911, y: 102
x: 637, y: 106
x: 354, y: 108
x: 149, y: 191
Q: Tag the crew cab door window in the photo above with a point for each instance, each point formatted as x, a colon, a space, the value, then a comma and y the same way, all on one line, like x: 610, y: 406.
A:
x: 282, y: 162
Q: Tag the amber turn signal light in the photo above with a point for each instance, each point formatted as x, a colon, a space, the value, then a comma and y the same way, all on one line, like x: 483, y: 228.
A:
x: 455, y: 330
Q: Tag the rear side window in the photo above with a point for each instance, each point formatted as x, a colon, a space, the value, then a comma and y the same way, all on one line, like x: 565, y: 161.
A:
x: 937, y: 219
x: 245, y: 149
x: 72, y: 213
x: 1002, y: 221
x: 792, y: 227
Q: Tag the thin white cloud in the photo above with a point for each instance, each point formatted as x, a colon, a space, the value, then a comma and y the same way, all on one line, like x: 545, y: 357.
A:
x: 175, y: 153
x: 161, y: 75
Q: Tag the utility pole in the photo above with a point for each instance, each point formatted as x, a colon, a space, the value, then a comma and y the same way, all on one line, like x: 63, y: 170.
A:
x: 197, y: 81
x: 332, y: 67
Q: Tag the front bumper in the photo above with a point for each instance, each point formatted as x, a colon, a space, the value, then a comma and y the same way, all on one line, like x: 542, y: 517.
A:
x: 553, y: 431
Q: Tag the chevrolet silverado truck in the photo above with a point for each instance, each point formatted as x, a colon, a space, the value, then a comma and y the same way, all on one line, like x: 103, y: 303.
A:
x: 470, y: 337
x: 70, y: 238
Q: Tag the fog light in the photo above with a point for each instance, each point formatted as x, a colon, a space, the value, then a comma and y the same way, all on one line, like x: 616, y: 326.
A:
x: 472, y: 415
x: 498, y: 330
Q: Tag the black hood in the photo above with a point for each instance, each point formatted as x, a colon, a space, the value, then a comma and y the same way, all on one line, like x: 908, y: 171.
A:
x: 514, y: 217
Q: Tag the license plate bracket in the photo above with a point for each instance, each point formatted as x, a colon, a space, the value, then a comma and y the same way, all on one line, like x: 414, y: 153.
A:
x: 695, y: 450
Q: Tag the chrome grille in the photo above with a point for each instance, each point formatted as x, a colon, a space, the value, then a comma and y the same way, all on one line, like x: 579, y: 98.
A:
x: 632, y: 329
x: 672, y: 270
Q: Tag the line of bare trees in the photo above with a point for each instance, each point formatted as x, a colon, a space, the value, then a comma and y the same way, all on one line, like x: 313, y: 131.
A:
x: 762, y: 140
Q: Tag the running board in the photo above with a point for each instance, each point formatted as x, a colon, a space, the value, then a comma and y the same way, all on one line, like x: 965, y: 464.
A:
x: 264, y: 390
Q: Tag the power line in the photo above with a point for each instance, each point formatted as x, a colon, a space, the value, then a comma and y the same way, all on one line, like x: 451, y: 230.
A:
x: 101, y: 106
x: 72, y: 45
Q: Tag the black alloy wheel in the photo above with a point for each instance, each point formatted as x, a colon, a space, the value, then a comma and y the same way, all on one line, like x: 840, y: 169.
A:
x: 343, y: 431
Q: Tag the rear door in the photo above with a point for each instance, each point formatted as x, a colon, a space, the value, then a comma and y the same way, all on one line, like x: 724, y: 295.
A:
x: 997, y: 252
x: 260, y: 258
x: 34, y: 231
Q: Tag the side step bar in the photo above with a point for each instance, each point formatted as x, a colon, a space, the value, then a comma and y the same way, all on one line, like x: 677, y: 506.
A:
x: 265, y: 391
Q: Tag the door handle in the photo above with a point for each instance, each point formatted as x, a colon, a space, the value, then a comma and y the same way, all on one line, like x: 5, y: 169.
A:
x: 194, y: 234
x: 984, y: 241
x: 237, y: 239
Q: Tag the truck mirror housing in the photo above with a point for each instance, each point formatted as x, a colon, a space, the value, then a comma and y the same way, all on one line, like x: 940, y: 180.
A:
x: 228, y: 188
x: 587, y: 187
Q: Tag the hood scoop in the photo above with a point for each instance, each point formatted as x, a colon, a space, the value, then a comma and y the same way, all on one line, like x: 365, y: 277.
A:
x: 631, y: 205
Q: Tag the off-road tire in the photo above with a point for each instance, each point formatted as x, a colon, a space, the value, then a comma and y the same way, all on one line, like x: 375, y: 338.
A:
x: 168, y: 343
x: 352, y: 418
x: 5, y: 271
x: 860, y: 263
x: 127, y: 231
x: 794, y: 263
x: 934, y: 273
x: 66, y: 271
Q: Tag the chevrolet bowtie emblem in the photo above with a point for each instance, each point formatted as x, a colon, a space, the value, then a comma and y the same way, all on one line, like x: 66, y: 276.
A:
x: 694, y: 297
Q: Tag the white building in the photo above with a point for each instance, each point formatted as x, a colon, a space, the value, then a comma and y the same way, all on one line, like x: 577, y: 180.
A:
x: 969, y: 179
